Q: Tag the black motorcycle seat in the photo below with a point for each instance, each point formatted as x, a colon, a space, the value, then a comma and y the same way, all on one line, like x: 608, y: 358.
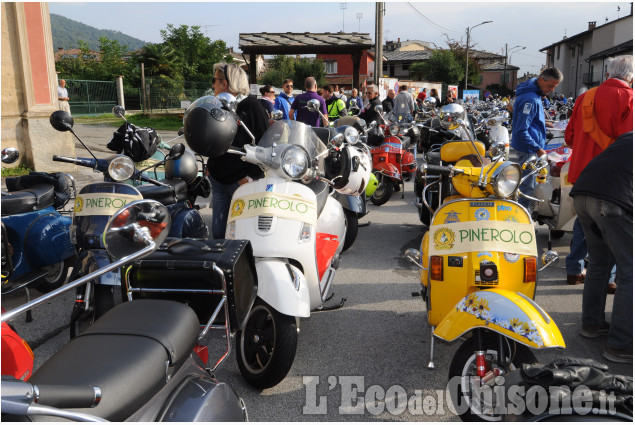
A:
x: 128, y: 353
x: 167, y: 195
x: 321, y: 190
x: 35, y: 198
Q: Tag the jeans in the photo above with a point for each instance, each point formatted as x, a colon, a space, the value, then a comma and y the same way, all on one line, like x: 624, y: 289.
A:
x: 221, y: 200
x: 575, y: 259
x: 527, y: 187
x: 608, y: 229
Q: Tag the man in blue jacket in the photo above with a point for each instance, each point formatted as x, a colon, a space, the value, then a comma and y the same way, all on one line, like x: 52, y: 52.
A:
x: 285, y: 98
x: 528, y: 124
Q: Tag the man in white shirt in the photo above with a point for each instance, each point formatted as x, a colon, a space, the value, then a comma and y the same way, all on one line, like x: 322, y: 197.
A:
x: 62, y: 96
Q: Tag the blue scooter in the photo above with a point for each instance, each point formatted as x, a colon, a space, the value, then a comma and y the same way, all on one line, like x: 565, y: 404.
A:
x: 36, y: 245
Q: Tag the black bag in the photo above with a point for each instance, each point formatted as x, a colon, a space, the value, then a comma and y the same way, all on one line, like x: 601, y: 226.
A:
x: 186, y: 264
x: 62, y: 185
x: 137, y: 143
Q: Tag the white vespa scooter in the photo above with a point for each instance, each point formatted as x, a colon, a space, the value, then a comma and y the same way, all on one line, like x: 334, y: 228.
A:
x: 297, y: 233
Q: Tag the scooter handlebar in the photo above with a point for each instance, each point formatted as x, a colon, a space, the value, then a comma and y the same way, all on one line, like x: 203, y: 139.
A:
x: 59, y: 396
x: 436, y: 169
x: 78, y: 161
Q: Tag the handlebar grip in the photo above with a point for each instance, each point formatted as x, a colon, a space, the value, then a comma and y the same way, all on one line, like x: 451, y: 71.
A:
x: 437, y: 169
x: 68, y: 396
x: 85, y: 162
x: 64, y: 159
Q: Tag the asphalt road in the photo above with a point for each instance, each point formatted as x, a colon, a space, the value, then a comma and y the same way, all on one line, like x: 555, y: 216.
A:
x: 375, y: 348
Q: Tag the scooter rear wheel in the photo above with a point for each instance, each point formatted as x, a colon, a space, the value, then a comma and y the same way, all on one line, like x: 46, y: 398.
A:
x: 266, y: 346
x: 55, y: 277
x: 463, y: 367
x: 384, y: 190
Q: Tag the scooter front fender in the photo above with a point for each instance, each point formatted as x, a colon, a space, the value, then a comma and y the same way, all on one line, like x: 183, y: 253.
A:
x: 283, y: 286
x: 509, y: 313
x: 388, y: 169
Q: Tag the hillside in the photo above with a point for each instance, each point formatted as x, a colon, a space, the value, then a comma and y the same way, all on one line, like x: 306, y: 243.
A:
x: 66, y: 32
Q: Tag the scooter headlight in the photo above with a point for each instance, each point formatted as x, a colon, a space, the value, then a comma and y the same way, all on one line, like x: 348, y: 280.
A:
x: 351, y: 135
x: 505, y: 179
x: 121, y: 168
x: 394, y: 129
x: 295, y: 161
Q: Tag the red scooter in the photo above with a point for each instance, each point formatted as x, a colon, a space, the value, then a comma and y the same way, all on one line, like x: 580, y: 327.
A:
x: 392, y: 149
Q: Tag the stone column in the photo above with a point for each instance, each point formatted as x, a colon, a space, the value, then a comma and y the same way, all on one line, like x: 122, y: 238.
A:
x: 29, y: 87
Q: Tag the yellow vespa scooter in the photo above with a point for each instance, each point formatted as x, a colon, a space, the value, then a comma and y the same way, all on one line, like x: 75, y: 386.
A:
x: 478, y: 274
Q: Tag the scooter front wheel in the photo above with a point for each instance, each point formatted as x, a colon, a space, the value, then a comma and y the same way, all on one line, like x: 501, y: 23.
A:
x: 384, y: 190
x: 470, y: 404
x: 102, y: 300
x: 54, y: 278
x: 352, y: 226
x: 266, y: 346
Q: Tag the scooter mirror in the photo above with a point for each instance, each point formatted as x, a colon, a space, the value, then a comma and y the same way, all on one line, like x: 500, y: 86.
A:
x: 62, y: 121
x: 119, y: 111
x: 134, y: 226
x: 379, y: 108
x: 548, y: 258
x: 176, y: 151
x: 313, y: 105
x: 276, y: 115
x: 10, y: 155
x: 414, y: 256
x: 181, y: 131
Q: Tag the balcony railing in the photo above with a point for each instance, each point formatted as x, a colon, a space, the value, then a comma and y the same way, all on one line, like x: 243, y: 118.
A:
x: 592, y: 78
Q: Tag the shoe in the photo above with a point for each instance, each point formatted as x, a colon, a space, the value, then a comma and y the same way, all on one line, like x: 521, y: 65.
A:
x: 575, y: 279
x: 593, y: 331
x: 612, y: 287
x: 618, y: 355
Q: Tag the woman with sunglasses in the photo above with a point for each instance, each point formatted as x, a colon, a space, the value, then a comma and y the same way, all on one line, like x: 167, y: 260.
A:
x: 268, y: 98
x: 228, y: 171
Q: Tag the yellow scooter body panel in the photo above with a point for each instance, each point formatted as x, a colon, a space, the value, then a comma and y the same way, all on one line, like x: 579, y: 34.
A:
x: 512, y: 314
x: 461, y: 271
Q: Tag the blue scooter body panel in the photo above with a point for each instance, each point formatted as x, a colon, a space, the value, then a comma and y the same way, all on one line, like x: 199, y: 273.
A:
x: 39, y: 238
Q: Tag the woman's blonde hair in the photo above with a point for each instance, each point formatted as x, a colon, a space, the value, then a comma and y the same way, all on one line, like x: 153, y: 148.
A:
x: 236, y: 77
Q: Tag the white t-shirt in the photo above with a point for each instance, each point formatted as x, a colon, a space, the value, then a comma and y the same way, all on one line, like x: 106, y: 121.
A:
x: 62, y: 92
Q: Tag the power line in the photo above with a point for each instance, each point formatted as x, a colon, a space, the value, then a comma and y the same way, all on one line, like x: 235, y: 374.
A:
x: 423, y: 16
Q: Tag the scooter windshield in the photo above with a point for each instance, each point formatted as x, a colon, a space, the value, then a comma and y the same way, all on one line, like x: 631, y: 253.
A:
x: 293, y: 133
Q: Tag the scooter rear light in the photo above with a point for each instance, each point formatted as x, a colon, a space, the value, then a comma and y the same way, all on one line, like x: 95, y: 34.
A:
x: 201, y: 351
x: 530, y: 269
x: 436, y: 268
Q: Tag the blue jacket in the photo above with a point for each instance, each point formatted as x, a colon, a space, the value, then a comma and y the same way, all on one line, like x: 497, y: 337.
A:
x: 283, y: 105
x: 528, y: 123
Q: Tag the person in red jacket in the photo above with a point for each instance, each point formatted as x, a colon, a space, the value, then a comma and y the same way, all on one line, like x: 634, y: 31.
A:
x: 599, y: 116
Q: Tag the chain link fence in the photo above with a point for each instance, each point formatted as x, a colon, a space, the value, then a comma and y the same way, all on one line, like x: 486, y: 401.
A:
x: 163, y: 95
x: 91, y: 97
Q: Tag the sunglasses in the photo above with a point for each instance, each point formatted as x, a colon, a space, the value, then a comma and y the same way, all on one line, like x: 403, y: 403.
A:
x: 272, y: 91
x: 289, y: 85
x: 214, y: 79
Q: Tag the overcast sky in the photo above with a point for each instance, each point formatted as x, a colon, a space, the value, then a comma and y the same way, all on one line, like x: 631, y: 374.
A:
x: 532, y: 25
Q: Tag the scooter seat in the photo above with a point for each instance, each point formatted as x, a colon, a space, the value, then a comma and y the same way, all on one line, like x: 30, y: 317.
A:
x: 167, y: 195
x: 321, y: 190
x: 35, y: 198
x: 128, y: 353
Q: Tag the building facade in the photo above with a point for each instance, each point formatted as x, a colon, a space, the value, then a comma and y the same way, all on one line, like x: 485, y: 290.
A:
x: 582, y: 58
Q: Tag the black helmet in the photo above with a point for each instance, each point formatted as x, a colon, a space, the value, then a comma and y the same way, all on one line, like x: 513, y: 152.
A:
x: 183, y: 168
x: 209, y: 129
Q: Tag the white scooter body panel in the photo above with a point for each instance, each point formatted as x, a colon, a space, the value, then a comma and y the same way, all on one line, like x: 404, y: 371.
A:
x: 278, y: 289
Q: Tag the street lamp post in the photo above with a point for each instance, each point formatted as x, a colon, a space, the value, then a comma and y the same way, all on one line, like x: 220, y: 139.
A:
x: 467, y: 48
x: 510, y: 59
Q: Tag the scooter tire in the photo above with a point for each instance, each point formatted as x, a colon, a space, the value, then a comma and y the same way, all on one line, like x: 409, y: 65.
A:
x: 352, y: 227
x: 557, y: 234
x: 56, y: 276
x: 384, y: 190
x: 266, y: 346
x: 463, y: 366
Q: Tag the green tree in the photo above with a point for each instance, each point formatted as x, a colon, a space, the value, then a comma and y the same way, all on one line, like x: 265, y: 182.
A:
x: 306, y: 67
x: 159, y: 59
x: 298, y: 69
x: 474, y: 69
x: 417, y: 71
x: 196, y: 54
x: 442, y: 66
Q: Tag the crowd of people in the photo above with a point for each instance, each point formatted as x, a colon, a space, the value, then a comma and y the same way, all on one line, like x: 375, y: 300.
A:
x: 600, y: 131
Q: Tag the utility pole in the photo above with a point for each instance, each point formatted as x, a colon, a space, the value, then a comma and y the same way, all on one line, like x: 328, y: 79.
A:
x: 379, y: 48
x: 343, y: 7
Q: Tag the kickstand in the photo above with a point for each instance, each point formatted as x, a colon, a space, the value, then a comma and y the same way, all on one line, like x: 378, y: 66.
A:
x: 333, y: 307
x: 29, y: 316
x: 363, y: 224
x: 403, y: 189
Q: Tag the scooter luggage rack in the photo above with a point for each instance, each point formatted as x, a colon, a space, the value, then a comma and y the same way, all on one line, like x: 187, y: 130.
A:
x: 209, y: 325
